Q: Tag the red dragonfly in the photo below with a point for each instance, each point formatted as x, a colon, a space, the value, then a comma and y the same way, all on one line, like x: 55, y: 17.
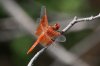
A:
x: 46, y: 33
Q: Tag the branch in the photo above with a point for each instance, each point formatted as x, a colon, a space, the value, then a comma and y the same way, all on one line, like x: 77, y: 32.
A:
x: 76, y: 20
x: 36, y: 56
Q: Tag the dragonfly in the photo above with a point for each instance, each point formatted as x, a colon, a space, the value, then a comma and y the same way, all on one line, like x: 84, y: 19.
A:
x: 47, y: 34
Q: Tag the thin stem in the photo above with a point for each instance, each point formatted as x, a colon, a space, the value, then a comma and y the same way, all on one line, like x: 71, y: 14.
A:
x: 36, y: 56
x: 76, y: 20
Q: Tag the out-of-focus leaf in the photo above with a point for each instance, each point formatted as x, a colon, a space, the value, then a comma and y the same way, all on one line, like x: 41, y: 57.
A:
x: 20, y: 45
x: 2, y: 13
x: 73, y: 38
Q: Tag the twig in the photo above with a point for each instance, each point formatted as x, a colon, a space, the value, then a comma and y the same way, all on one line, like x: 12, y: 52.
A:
x: 36, y: 56
x: 76, y: 20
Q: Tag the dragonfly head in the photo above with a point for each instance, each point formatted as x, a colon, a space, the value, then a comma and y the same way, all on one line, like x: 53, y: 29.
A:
x: 56, y: 26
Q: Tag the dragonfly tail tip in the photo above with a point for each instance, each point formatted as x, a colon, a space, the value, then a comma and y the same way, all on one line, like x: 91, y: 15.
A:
x: 28, y: 52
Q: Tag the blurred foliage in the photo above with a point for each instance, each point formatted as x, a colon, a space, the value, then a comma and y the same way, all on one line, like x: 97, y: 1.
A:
x: 75, y: 37
x: 32, y: 7
x: 20, y: 47
x: 68, y: 6
x: 62, y: 5
x: 2, y: 13
x: 21, y: 44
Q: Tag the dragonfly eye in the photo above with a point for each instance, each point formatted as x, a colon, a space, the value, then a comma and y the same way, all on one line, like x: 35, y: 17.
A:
x: 57, y: 26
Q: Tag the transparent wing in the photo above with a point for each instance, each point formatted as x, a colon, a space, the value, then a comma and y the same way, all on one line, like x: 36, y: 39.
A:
x: 38, y: 20
x: 43, y: 16
x: 60, y: 38
x: 43, y: 21
x: 43, y: 11
x: 46, y: 39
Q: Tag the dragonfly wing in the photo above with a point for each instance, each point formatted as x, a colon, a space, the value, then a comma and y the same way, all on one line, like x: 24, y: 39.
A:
x: 39, y: 30
x: 36, y: 43
x: 38, y: 20
x: 43, y: 16
x: 43, y: 21
x: 46, y: 40
x: 60, y: 38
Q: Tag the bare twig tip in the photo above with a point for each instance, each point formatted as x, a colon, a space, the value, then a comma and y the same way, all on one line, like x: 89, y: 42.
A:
x: 99, y: 14
x: 75, y: 18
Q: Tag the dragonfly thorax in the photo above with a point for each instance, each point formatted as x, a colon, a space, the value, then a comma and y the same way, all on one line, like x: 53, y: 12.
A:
x: 56, y: 26
x: 51, y: 32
